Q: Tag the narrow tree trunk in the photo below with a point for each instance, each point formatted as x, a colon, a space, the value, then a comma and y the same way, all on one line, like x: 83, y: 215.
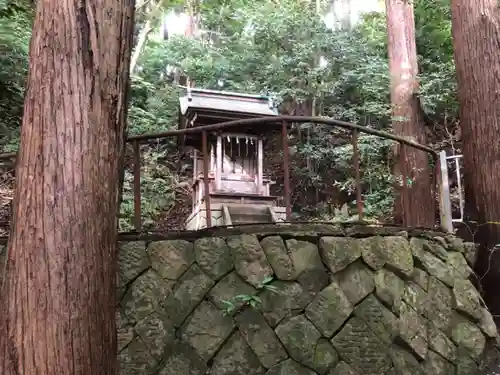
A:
x: 141, y: 43
x: 476, y: 36
x: 59, y: 297
x: 414, y: 205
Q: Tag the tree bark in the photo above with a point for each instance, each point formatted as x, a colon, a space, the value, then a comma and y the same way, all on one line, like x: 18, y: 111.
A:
x: 60, y: 287
x: 414, y: 204
x: 476, y: 36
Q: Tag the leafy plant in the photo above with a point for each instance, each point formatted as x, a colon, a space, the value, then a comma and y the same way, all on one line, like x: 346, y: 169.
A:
x: 252, y: 301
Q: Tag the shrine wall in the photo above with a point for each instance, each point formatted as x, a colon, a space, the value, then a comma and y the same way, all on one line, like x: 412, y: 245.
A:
x: 301, y: 300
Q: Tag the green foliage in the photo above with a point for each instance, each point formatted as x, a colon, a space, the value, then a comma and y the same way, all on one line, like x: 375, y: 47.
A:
x: 251, y: 301
x: 282, y: 49
x: 15, y: 33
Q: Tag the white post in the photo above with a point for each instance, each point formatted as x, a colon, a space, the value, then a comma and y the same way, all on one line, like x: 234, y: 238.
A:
x: 218, y: 160
x: 195, y: 165
x: 444, y: 195
x: 260, y: 168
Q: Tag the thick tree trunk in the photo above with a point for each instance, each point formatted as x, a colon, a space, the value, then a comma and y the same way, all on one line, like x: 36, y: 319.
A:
x: 476, y: 36
x: 415, y: 204
x: 59, y: 297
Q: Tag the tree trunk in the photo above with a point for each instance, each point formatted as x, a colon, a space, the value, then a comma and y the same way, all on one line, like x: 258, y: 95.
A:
x: 60, y: 289
x: 415, y: 204
x: 476, y: 35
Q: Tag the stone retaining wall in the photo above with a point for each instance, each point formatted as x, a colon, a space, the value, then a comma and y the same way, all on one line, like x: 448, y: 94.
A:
x: 342, y: 302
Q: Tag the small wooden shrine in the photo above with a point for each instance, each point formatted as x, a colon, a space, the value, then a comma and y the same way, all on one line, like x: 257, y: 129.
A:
x: 235, y: 190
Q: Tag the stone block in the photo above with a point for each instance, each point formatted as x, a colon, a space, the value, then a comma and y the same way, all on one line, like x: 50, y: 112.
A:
x: 132, y: 260
x: 487, y: 324
x: 279, y: 257
x: 260, y: 337
x: 421, y: 278
x: 415, y: 296
x: 290, y: 367
x: 304, y: 344
x: 467, y: 300
x: 343, y: 368
x: 236, y: 358
x: 469, y: 337
x: 435, y: 266
x: 437, y: 365
x: 441, y: 344
x: 438, y: 307
x: 305, y: 256
x: 338, y: 252
x: 206, y: 329
x: 382, y: 322
x: 356, y: 280
x: 361, y: 349
x: 373, y: 251
x: 413, y: 331
x: 329, y: 309
x: 227, y: 289
x: 187, y: 294
x: 136, y: 359
x: 461, y: 270
x: 124, y: 331
x: 145, y: 295
x: 399, y: 256
x: 170, y: 259
x: 436, y: 248
x: 157, y: 332
x: 288, y: 299
x: 390, y: 288
x: 249, y: 259
x: 405, y: 363
x: 183, y: 360
x: 213, y: 255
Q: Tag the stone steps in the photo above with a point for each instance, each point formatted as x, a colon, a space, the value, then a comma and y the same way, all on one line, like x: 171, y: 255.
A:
x: 249, y: 214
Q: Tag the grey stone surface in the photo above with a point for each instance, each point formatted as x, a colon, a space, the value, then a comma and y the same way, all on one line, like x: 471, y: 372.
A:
x: 361, y: 349
x: 288, y: 299
x: 413, y: 331
x: 260, y: 337
x: 136, y: 359
x: 183, y: 360
x: 279, y: 257
x: 206, y: 329
x: 329, y: 309
x: 236, y: 358
x: 290, y: 367
x: 389, y: 287
x: 305, y: 345
x: 305, y: 256
x: 228, y: 288
x: 356, y: 280
x: 170, y: 259
x: 145, y: 295
x: 338, y: 252
x: 373, y: 251
x: 187, y: 294
x: 132, y: 260
x: 249, y: 259
x: 399, y: 256
x: 213, y: 255
x: 382, y: 322
x: 377, y: 304
x: 157, y: 332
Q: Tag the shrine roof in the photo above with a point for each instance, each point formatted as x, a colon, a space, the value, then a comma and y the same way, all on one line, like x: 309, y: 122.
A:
x: 223, y: 101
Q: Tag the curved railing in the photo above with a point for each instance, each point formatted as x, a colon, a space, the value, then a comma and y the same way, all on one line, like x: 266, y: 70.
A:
x: 282, y: 123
